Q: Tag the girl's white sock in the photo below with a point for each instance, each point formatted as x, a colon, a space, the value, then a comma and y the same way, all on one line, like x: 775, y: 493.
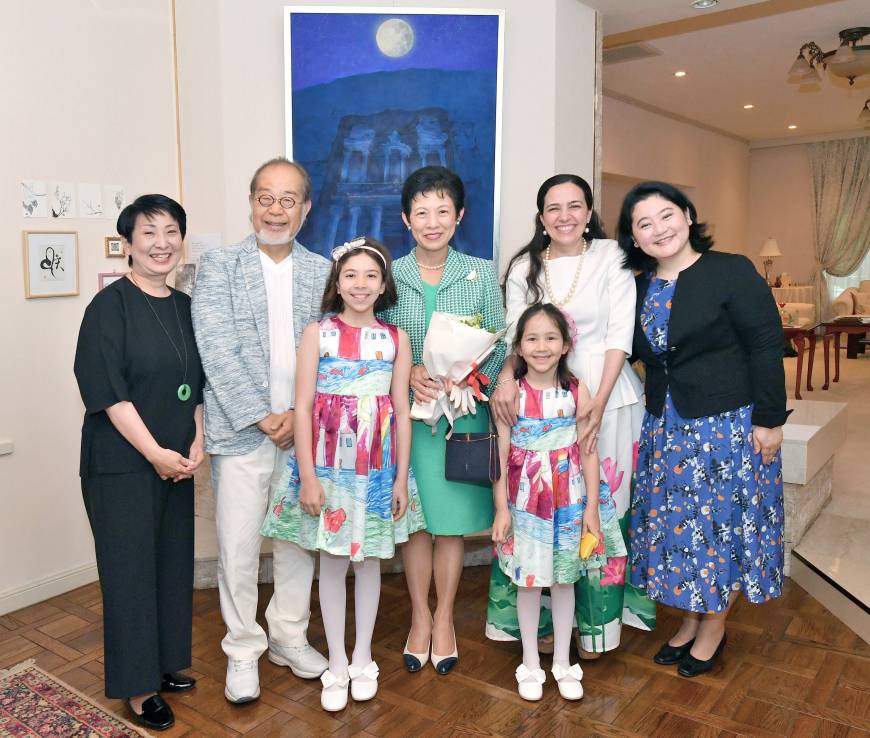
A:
x: 528, y: 614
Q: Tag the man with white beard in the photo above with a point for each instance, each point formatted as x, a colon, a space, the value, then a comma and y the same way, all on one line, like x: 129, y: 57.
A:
x: 251, y: 303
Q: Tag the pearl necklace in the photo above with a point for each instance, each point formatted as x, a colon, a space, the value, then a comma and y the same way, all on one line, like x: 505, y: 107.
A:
x: 567, y: 298
x: 426, y: 266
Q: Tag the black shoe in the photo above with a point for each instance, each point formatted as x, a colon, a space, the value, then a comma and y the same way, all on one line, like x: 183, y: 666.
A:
x: 177, y: 682
x: 156, y: 714
x: 669, y: 654
x: 692, y: 667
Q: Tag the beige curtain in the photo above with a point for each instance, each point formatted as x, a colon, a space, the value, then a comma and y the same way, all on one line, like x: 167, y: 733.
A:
x: 841, y: 199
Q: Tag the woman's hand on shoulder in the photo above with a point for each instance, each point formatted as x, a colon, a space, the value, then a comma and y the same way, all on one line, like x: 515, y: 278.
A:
x: 311, y: 497
x: 505, y: 402
x: 425, y: 388
x: 766, y: 441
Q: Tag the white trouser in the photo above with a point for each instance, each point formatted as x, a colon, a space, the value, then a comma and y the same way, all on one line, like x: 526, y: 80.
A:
x: 243, y: 487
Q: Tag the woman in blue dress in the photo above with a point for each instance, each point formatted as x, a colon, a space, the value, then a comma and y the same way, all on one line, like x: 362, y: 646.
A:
x: 707, y: 511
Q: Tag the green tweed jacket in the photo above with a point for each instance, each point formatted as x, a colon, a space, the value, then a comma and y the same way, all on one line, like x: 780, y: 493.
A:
x: 468, y: 286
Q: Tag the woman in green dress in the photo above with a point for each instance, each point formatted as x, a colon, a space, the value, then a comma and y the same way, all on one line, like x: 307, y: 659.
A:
x: 434, y: 276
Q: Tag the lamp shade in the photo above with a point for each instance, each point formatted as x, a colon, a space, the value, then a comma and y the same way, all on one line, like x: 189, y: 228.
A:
x: 770, y: 248
x: 800, y: 67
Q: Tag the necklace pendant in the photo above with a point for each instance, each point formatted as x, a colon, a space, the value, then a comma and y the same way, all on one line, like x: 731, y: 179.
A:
x: 184, y: 392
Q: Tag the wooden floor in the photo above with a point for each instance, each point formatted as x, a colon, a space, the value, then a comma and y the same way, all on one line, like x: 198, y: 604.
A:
x: 790, y: 668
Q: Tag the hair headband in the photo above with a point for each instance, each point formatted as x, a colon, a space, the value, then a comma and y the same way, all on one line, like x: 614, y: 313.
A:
x: 357, y: 243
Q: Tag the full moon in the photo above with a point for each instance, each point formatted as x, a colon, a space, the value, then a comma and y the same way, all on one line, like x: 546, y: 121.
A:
x: 395, y: 37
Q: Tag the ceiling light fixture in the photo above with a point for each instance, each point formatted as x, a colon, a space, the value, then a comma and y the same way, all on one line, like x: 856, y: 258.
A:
x: 681, y: 73
x: 704, y: 4
x: 792, y: 127
x: 748, y: 106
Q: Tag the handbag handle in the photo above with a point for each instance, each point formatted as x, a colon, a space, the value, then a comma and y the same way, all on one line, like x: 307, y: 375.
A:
x: 494, y: 460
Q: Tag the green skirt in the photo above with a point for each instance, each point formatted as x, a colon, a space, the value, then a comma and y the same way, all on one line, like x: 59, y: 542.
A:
x: 450, y: 508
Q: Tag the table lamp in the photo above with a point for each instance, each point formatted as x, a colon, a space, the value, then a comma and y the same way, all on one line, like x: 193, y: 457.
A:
x: 769, y: 250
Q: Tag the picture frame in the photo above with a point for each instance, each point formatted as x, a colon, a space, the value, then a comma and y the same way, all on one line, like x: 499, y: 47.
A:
x: 393, y: 102
x: 104, y: 279
x: 51, y: 263
x: 113, y: 247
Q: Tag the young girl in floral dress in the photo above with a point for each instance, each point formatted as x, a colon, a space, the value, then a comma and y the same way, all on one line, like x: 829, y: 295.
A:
x: 542, y: 505
x: 347, y: 491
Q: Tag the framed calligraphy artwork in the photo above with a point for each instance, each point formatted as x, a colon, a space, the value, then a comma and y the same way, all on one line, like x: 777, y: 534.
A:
x: 51, y: 263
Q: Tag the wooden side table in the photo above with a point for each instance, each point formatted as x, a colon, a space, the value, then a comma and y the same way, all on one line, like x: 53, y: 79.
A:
x: 855, y: 332
x: 800, y: 337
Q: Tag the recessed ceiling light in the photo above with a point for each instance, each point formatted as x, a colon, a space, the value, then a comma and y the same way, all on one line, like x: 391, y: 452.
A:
x: 748, y: 106
x: 704, y: 4
x: 681, y: 73
x: 792, y: 127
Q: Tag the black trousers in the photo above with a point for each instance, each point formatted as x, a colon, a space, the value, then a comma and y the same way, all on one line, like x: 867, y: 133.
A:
x: 143, y: 535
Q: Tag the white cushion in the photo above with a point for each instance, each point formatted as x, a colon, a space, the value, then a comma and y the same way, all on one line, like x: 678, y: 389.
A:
x: 862, y: 302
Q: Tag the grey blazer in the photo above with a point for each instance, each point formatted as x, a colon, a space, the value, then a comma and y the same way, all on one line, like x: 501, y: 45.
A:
x: 231, y: 324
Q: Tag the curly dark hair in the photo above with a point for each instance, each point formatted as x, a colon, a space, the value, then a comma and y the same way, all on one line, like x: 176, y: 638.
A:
x: 540, y: 240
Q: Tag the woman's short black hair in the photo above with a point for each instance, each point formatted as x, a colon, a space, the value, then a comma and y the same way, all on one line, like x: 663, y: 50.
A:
x: 521, y: 368
x: 149, y: 206
x: 332, y: 302
x: 433, y: 179
x: 635, y: 258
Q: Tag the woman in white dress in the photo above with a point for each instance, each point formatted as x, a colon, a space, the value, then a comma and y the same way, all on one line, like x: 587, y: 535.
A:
x: 569, y: 262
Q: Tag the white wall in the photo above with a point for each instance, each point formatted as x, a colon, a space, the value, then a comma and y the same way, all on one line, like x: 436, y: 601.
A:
x: 781, y: 205
x: 645, y: 145
x: 232, y: 103
x: 87, y: 97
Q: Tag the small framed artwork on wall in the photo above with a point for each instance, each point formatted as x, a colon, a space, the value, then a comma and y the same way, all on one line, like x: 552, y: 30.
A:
x: 114, y: 247
x: 51, y: 263
x: 106, y: 278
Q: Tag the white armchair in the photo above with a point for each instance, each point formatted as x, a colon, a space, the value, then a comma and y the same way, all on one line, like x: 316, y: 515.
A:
x: 851, y: 299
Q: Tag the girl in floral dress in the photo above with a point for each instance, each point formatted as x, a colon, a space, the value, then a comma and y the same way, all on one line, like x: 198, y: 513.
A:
x: 348, y: 492
x: 542, y: 508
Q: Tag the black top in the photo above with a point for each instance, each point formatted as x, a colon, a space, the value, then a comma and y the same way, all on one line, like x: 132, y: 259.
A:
x: 724, y: 343
x: 124, y: 354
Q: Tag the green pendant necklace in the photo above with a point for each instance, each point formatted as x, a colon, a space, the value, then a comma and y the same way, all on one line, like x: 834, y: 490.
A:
x: 184, y: 391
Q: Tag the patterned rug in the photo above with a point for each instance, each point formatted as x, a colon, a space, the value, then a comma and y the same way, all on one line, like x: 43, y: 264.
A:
x: 33, y: 703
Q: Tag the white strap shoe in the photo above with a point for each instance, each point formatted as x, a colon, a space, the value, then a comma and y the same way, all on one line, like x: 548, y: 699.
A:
x: 569, y: 681
x: 333, y: 696
x: 530, y: 683
x: 363, y: 681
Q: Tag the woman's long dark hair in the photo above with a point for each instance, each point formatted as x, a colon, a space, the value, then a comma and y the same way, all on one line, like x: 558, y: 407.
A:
x: 558, y: 317
x: 540, y: 240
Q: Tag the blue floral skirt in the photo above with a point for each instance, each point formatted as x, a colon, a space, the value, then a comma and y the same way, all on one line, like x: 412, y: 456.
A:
x: 707, y: 516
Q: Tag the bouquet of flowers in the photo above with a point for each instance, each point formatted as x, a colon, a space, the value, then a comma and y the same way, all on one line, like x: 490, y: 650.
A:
x: 454, y: 347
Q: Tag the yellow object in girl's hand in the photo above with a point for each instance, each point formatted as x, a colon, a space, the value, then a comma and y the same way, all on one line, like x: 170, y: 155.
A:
x: 588, y: 544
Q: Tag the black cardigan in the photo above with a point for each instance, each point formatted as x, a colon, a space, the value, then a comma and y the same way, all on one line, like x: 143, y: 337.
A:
x: 724, y: 343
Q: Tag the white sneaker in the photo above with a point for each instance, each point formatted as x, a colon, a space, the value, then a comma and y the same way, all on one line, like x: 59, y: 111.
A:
x: 243, y: 681
x: 569, y: 681
x: 363, y: 681
x: 303, y: 661
x: 530, y: 683
x: 333, y: 696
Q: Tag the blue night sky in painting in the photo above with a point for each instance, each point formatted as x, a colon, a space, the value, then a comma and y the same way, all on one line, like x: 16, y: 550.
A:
x: 348, y: 40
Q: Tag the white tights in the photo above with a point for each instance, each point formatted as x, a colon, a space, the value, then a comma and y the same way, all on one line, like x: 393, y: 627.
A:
x: 528, y: 613
x: 333, y: 603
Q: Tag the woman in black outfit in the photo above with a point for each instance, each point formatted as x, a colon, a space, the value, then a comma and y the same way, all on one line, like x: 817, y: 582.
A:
x: 707, y: 508
x: 140, y: 378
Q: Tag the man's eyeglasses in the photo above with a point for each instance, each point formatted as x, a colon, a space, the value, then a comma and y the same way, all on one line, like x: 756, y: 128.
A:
x: 267, y: 201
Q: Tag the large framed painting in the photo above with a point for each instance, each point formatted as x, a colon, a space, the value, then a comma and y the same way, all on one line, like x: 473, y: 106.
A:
x: 371, y: 94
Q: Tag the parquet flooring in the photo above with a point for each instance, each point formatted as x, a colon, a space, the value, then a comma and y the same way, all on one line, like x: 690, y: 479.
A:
x: 790, y: 669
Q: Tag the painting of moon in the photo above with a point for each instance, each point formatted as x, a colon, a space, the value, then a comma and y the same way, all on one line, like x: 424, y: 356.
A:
x: 373, y: 94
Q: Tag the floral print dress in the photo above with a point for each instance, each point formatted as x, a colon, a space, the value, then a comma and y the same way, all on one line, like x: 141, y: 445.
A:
x: 354, y: 447
x: 707, y: 515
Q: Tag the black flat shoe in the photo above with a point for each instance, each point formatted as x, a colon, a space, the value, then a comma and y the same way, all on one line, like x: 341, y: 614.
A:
x: 177, y: 682
x: 692, y: 667
x: 669, y: 654
x: 156, y: 714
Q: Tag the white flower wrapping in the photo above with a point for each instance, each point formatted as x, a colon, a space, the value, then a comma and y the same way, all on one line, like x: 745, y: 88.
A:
x: 453, y: 347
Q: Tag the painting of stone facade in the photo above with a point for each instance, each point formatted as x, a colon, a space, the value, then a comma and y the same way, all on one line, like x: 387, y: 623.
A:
x: 408, y: 89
